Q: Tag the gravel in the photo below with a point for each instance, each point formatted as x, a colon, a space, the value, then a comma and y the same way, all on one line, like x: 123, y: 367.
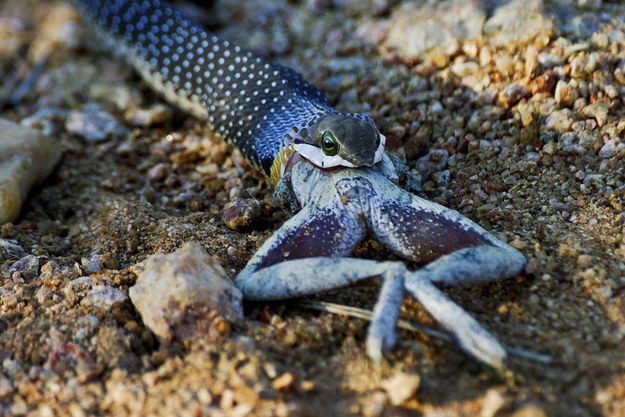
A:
x: 511, y: 113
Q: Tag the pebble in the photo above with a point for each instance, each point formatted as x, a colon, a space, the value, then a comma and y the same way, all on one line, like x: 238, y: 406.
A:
x: 94, y: 264
x: 241, y: 213
x: 400, y: 387
x: 560, y: 120
x: 493, y: 402
x: 611, y: 148
x: 146, y: 117
x: 9, y: 249
x: 599, y: 110
x: 565, y: 95
x: 26, y: 158
x: 529, y: 411
x: 94, y: 125
x: 58, y: 30
x: 175, y: 292
x: 104, y: 297
x: 28, y: 267
x: 283, y: 382
x: 512, y: 95
x: 6, y: 387
x: 415, y: 29
x: 48, y: 120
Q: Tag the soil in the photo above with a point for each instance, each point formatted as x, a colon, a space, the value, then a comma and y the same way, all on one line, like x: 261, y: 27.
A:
x: 526, y: 139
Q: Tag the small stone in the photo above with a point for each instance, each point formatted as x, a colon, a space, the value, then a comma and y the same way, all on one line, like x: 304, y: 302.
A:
x: 104, y: 297
x: 147, y: 117
x: 28, y: 267
x: 584, y: 261
x: 59, y: 29
x: 512, y: 95
x: 78, y: 284
x: 493, y: 402
x: 241, y: 213
x: 518, y: 244
x: 598, y: 110
x: 26, y: 158
x: 94, y: 264
x: 6, y: 387
x: 529, y: 411
x: 611, y: 148
x: 560, y: 120
x: 9, y: 250
x: 94, y: 125
x: 464, y: 69
x: 176, y: 292
x: 283, y: 382
x: 43, y: 295
x: 401, y: 387
x: 565, y: 94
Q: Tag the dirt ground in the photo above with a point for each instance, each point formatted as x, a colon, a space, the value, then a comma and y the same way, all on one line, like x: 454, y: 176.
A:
x: 519, y: 127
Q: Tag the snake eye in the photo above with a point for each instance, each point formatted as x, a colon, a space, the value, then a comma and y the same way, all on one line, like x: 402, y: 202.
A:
x: 329, y: 144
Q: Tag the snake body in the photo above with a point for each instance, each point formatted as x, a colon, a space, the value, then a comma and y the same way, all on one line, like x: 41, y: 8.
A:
x: 266, y: 110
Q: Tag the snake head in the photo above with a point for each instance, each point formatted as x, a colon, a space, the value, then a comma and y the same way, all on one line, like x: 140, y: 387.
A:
x: 344, y: 139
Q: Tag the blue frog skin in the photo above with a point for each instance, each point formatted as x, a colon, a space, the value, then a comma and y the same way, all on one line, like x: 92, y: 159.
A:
x: 286, y: 127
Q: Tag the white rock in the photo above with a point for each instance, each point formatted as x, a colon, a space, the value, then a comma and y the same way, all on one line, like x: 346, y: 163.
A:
x: 26, y: 158
x: 401, y: 387
x: 178, y: 289
x: 104, y: 297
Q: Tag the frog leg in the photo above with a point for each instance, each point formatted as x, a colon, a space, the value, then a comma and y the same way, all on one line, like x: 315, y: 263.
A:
x: 455, y: 251
x: 307, y: 255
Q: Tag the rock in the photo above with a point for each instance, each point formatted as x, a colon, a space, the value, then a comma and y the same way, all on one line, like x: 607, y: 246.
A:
x: 512, y: 95
x: 241, y: 213
x: 26, y: 158
x: 58, y: 30
x: 9, y: 249
x: 6, y: 387
x: 529, y: 410
x: 48, y: 120
x: 283, y: 382
x: 565, y: 94
x: 66, y: 355
x: 611, y: 148
x: 104, y: 297
x: 28, y: 267
x: 401, y: 387
x: 599, y: 110
x: 493, y: 402
x: 518, y: 22
x: 176, y: 292
x: 560, y: 120
x: 150, y: 116
x: 94, y: 125
x: 119, y: 95
x: 93, y: 264
x: 77, y: 284
x: 415, y: 29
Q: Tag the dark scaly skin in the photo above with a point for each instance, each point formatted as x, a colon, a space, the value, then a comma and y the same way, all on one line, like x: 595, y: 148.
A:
x: 257, y: 105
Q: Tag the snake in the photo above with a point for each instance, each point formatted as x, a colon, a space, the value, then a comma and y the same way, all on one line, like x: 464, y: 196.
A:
x: 329, y: 166
x: 268, y: 111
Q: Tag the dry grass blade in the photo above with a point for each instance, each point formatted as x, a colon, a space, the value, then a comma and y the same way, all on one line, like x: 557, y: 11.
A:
x: 406, y: 325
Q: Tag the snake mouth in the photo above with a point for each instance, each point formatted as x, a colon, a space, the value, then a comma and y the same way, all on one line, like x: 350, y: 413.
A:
x: 316, y: 156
